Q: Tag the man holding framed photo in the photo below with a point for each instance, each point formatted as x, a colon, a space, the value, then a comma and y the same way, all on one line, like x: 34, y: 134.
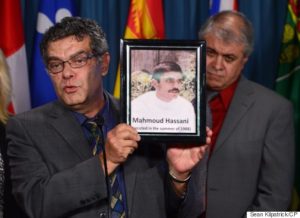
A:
x: 73, y: 157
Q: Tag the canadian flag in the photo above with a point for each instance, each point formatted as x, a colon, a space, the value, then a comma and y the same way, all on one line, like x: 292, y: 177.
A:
x: 13, y: 47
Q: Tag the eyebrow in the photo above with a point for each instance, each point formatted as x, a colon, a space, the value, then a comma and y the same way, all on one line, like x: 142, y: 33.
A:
x: 226, y: 54
x: 73, y: 55
x: 223, y: 55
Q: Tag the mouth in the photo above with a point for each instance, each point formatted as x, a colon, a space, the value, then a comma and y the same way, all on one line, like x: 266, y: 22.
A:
x: 70, y: 89
x: 214, y: 72
x: 174, y: 91
x: 213, y: 75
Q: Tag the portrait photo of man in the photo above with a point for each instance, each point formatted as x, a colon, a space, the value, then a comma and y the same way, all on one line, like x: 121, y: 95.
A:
x: 162, y: 109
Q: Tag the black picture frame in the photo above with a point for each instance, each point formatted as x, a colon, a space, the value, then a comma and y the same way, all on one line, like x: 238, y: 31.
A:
x: 138, y: 59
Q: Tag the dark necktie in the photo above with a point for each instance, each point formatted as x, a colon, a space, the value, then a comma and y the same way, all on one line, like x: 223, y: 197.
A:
x: 117, y: 201
x: 95, y: 139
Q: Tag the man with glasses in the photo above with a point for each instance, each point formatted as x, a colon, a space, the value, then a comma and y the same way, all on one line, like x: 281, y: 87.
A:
x: 71, y: 157
x: 164, y: 109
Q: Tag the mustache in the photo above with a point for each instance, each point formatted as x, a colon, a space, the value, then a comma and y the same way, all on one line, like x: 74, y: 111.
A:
x: 174, y: 90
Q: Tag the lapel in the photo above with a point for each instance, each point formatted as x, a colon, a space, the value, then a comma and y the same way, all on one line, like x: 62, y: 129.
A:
x: 69, y: 129
x: 241, y: 102
x: 129, y: 165
x: 130, y: 179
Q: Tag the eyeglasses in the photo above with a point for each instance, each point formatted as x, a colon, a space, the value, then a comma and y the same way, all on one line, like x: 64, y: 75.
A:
x: 77, y: 61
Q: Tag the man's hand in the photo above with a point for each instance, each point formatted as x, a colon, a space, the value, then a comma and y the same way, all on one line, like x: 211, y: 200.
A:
x: 121, y: 141
x: 182, y: 159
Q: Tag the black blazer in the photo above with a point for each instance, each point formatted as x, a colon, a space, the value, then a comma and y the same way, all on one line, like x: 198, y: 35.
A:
x: 10, y: 207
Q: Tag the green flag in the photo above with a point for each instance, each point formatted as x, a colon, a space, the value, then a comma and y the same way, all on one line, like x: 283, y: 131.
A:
x: 288, y: 78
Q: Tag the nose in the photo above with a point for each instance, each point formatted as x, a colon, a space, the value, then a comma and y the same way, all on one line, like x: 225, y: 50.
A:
x: 176, y: 84
x: 218, y: 62
x: 67, y: 71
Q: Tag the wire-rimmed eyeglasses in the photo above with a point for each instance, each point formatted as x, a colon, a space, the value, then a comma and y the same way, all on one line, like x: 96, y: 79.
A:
x: 77, y: 61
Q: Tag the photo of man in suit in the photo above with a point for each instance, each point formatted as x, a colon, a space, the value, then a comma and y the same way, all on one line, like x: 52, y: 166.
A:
x: 251, y: 160
x: 163, y: 109
x: 72, y: 157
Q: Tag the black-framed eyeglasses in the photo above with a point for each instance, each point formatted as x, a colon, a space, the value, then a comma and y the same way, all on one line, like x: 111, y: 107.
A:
x: 77, y: 61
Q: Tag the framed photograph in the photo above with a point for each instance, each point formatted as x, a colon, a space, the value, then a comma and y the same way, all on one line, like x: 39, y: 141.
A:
x: 163, y: 89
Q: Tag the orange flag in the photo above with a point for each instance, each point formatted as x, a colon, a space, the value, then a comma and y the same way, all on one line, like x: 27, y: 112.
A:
x: 145, y: 21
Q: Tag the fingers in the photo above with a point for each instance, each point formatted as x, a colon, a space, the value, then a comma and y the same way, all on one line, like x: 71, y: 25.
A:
x: 126, y: 132
x: 209, y: 134
x: 121, y: 142
x: 131, y: 150
x: 208, y: 131
x: 202, y: 151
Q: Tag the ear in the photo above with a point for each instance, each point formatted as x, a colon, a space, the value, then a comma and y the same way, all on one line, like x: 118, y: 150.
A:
x: 154, y: 83
x: 245, y: 59
x: 105, y: 63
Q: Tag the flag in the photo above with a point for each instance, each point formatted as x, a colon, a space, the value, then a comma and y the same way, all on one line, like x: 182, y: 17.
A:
x: 222, y: 5
x: 288, y: 78
x: 13, y: 47
x: 50, y: 12
x: 145, y: 21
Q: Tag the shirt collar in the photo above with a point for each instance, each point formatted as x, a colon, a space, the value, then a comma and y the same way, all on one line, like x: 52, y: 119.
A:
x: 104, y: 112
x: 227, y: 94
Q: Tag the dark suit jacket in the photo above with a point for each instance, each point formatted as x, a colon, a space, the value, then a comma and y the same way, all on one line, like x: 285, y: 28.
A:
x: 2, y: 142
x: 252, y: 165
x: 10, y: 207
x: 55, y: 175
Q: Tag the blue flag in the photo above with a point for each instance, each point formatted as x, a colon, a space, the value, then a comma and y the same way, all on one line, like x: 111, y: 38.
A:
x: 50, y: 12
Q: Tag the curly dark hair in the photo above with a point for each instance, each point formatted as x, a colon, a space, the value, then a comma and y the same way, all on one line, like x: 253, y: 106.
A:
x: 78, y: 27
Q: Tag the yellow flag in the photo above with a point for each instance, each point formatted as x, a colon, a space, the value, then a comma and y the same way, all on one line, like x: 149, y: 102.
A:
x: 145, y: 21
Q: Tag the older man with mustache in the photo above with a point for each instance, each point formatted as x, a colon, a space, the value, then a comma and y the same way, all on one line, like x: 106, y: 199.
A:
x: 164, y: 109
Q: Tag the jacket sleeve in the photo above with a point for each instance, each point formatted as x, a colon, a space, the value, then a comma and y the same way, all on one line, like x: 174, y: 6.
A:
x: 47, y: 191
x: 277, y: 167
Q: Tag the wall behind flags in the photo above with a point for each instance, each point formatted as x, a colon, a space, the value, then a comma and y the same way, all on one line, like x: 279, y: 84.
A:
x: 182, y: 21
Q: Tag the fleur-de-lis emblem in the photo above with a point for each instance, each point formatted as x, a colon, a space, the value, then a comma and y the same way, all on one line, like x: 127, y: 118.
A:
x: 44, y: 22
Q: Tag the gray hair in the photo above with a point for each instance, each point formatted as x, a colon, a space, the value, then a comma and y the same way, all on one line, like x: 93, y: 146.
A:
x: 231, y: 27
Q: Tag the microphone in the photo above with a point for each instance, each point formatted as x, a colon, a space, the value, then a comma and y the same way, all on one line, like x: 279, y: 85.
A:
x: 99, y: 120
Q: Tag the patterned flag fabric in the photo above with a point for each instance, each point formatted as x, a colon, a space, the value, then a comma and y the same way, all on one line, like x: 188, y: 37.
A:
x: 50, y: 12
x: 221, y: 5
x: 13, y: 46
x: 145, y: 21
x: 288, y: 79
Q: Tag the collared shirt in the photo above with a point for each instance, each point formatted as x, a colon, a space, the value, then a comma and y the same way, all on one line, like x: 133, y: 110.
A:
x: 109, y: 123
x: 219, y: 106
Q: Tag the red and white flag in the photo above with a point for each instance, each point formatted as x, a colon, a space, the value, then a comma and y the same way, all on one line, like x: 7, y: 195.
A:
x: 13, y: 47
